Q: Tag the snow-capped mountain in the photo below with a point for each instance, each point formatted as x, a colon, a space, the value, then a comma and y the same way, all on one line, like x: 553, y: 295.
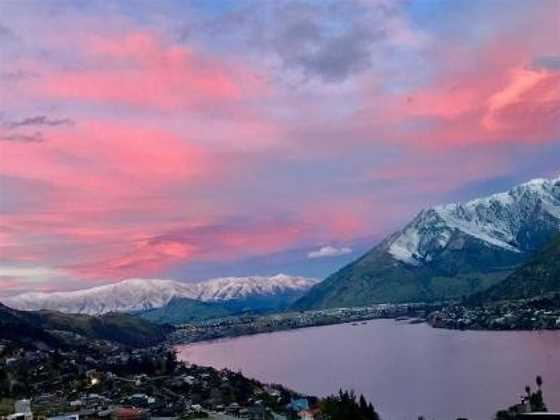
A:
x: 135, y: 295
x: 506, y: 220
x: 448, y: 251
x: 229, y: 288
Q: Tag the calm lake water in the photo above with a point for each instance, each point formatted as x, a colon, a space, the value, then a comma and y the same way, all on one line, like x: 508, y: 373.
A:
x: 405, y: 370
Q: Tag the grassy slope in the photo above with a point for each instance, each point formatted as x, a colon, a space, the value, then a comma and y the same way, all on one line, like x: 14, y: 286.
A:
x: 181, y: 310
x: 540, y: 275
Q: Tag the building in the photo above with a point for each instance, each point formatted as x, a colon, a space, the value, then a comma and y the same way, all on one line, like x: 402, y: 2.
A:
x: 307, y: 415
x: 129, y: 414
x: 22, y: 406
x: 22, y: 411
x: 65, y: 417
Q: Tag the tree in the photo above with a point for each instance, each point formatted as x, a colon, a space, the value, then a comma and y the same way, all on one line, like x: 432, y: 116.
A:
x: 345, y: 406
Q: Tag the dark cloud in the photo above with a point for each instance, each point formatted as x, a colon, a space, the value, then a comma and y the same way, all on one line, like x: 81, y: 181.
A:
x: 38, y: 121
x: 5, y: 32
x: 36, y: 137
x: 333, y: 54
x: 328, y: 40
x: 550, y: 62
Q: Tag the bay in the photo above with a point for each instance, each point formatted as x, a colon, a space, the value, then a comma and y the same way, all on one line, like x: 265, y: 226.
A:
x: 405, y: 370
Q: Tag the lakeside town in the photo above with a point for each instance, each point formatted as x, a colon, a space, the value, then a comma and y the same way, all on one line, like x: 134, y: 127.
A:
x: 235, y: 326
x: 100, y: 380
x: 541, y: 313
x: 529, y: 314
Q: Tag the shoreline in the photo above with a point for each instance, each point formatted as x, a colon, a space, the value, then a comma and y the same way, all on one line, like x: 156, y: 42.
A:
x: 492, y: 318
x: 244, y: 325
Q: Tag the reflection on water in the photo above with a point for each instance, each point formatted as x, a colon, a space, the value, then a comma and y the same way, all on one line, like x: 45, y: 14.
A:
x: 405, y: 370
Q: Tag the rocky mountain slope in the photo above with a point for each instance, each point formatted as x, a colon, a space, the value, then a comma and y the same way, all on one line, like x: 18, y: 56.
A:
x: 137, y: 295
x: 448, y: 251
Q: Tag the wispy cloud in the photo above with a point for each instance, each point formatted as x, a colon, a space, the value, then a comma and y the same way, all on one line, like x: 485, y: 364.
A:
x: 38, y: 121
x: 36, y: 137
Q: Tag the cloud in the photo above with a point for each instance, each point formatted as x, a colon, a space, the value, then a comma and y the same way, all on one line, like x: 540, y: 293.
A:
x: 23, y: 138
x: 6, y: 33
x: 15, y: 279
x: 39, y: 120
x: 549, y: 62
x: 528, y: 104
x: 330, y: 41
x: 282, y: 126
x: 329, y: 251
x: 305, y: 40
x: 143, y: 70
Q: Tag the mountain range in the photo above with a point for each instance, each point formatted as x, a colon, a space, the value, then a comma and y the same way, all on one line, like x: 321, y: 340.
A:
x: 140, y: 295
x: 445, y: 252
x: 448, y: 251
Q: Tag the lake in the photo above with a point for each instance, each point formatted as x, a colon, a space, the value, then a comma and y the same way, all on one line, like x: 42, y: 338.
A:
x: 405, y: 370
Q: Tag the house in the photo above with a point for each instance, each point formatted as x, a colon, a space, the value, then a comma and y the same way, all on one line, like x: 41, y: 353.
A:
x: 307, y: 414
x: 298, y: 405
x: 20, y: 416
x: 22, y: 406
x: 129, y: 414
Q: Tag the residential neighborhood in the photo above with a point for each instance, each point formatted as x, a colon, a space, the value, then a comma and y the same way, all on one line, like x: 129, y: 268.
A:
x: 107, y: 381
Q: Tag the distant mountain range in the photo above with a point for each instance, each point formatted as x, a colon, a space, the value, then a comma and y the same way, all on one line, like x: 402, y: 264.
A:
x: 140, y: 295
x: 448, y: 251
x: 539, y: 276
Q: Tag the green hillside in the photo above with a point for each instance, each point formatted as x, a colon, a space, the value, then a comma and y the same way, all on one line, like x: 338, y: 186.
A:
x: 463, y: 268
x: 29, y: 327
x: 183, y: 310
x: 539, y: 276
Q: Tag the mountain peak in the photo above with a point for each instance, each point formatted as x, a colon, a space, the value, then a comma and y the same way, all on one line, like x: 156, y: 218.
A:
x: 496, y: 220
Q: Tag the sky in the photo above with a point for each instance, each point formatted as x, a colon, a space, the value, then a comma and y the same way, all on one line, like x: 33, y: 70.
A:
x: 196, y: 139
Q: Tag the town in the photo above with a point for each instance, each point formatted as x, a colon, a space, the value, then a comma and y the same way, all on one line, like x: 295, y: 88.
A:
x: 234, y: 326
x: 105, y: 380
x: 529, y: 314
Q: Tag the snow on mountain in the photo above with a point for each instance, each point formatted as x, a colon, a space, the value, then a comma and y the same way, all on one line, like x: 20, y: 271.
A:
x: 229, y: 288
x: 142, y: 294
x: 500, y: 220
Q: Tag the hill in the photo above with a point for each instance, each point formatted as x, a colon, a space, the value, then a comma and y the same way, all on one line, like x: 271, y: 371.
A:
x: 38, y: 327
x: 19, y: 327
x: 183, y: 310
x: 448, y: 251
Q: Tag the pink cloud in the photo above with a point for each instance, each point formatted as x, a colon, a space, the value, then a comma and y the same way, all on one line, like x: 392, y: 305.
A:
x: 528, y: 105
x: 140, y: 69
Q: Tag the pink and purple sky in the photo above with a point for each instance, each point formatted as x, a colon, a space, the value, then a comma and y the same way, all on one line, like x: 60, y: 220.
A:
x: 194, y: 139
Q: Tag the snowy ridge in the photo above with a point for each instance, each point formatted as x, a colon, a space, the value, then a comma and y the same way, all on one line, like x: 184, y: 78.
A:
x: 228, y: 288
x: 497, y: 220
x: 142, y: 294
